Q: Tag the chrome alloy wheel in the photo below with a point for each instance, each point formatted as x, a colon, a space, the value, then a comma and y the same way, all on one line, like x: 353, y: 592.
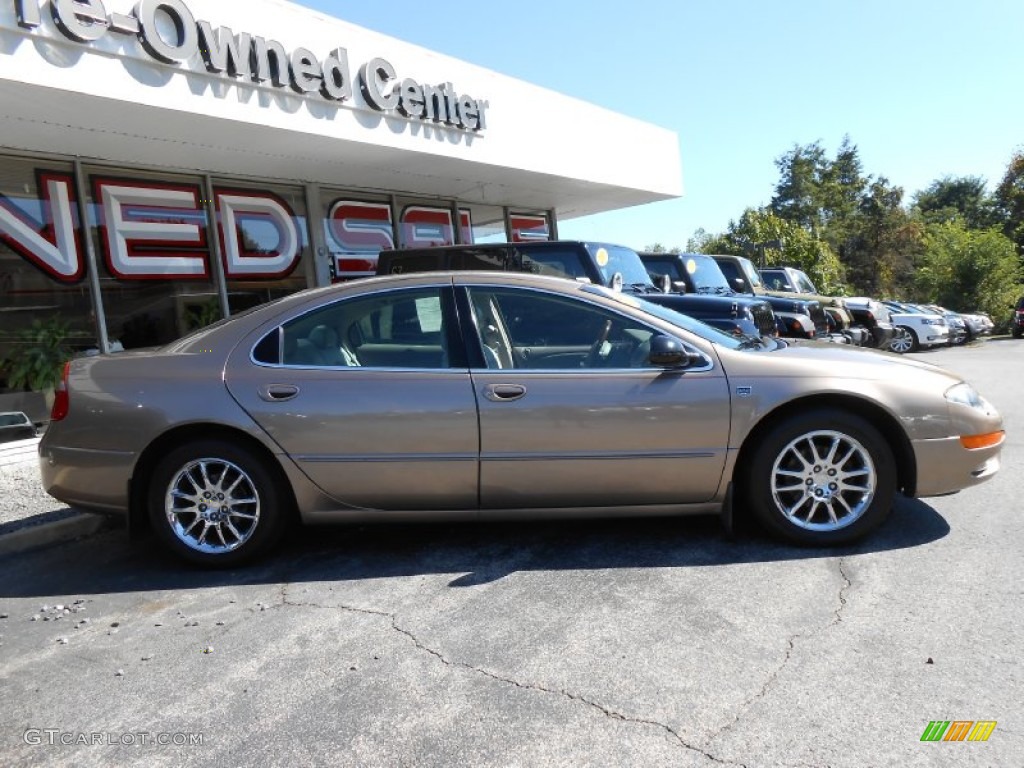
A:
x: 823, y: 481
x: 902, y: 341
x: 212, y: 506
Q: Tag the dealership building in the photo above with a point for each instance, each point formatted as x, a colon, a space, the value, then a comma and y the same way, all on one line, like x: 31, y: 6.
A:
x: 166, y: 162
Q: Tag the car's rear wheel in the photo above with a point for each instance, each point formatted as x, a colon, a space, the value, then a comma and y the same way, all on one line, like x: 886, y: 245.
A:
x: 216, y: 503
x: 822, y: 478
x: 904, y: 340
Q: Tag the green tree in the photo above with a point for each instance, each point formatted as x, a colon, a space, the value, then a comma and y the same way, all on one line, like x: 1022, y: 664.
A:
x: 797, y: 195
x: 859, y: 218
x: 699, y: 241
x: 1009, y: 201
x: 965, y: 196
x: 817, y: 193
x: 881, y: 243
x: 659, y: 248
x: 968, y: 269
x: 796, y: 247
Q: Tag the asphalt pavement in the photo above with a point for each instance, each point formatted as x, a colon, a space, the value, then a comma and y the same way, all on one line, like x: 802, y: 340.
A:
x: 607, y: 643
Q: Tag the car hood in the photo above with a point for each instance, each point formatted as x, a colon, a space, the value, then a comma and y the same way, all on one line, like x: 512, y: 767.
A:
x: 834, y: 361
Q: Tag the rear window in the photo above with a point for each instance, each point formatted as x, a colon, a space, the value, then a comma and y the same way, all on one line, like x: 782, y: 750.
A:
x: 663, y: 267
x: 557, y: 262
x: 15, y: 419
x: 418, y: 261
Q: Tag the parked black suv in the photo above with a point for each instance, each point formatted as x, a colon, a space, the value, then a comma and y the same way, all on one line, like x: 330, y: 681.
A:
x: 1017, y: 321
x: 614, y: 266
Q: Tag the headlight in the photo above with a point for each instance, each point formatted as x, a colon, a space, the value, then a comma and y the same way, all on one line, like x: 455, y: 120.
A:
x: 964, y: 394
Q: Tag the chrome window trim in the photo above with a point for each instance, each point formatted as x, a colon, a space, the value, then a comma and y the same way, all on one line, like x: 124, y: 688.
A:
x: 393, y: 369
x: 280, y: 324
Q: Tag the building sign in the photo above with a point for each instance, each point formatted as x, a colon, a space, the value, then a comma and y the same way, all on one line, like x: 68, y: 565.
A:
x: 154, y: 231
x: 52, y: 243
x: 170, y: 34
x: 360, y: 230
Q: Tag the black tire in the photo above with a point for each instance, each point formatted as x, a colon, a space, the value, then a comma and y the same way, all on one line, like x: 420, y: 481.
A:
x: 240, y: 529
x: 791, y: 500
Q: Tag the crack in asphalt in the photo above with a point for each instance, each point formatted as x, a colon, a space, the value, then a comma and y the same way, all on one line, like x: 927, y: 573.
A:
x: 574, y: 697
x: 837, y: 618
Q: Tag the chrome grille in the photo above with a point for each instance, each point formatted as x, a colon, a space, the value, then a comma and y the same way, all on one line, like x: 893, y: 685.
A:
x: 764, y: 318
x: 817, y: 314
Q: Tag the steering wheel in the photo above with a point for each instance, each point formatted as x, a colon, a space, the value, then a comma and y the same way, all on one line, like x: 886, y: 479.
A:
x: 595, y: 349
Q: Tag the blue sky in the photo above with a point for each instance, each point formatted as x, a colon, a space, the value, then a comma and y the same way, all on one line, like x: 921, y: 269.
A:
x: 924, y: 89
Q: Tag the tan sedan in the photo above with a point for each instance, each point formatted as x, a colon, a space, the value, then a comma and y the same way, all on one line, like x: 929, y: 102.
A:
x: 486, y: 395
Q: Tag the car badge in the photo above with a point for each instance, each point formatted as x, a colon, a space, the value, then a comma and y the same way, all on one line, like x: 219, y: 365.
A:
x: 744, y: 391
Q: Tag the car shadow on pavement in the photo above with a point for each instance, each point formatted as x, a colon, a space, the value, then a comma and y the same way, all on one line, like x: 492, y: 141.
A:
x: 479, y: 553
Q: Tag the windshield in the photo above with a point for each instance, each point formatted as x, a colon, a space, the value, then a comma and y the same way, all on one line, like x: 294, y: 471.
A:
x: 669, y: 316
x: 615, y: 258
x: 803, y: 283
x: 748, y: 269
x: 706, y: 276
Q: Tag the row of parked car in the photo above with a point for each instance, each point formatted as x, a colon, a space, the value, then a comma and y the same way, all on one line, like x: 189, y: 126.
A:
x: 724, y: 291
x: 914, y: 326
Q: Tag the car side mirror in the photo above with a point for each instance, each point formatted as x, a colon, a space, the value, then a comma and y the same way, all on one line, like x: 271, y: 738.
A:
x: 664, y: 283
x: 667, y: 352
x: 739, y: 284
x: 679, y: 286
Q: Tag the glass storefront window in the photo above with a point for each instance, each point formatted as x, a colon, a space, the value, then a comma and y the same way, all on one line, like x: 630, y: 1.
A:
x: 488, y: 223
x: 356, y: 228
x: 428, y: 223
x: 154, y: 248
x: 264, y: 241
x: 152, y: 244
x: 529, y: 226
x: 42, y: 262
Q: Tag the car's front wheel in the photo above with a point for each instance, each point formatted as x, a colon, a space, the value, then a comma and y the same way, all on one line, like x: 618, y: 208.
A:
x: 216, y: 503
x: 822, y: 478
x: 904, y: 340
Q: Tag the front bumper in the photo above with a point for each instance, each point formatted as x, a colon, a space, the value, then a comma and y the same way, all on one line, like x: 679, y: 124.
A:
x: 945, y: 466
x: 795, y: 326
x: 882, y: 334
x: 934, y: 336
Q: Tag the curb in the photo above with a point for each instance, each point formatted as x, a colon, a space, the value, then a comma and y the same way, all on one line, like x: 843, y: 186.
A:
x: 77, y: 526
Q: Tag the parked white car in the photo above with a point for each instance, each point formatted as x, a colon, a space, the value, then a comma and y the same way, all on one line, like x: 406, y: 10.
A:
x: 916, y: 329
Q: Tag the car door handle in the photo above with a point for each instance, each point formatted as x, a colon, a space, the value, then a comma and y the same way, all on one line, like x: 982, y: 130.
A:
x: 277, y: 393
x: 503, y: 393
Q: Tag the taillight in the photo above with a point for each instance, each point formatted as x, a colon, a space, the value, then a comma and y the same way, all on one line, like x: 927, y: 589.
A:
x: 61, y: 402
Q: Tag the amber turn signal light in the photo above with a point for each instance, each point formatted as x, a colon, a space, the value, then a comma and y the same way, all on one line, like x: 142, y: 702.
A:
x: 982, y: 441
